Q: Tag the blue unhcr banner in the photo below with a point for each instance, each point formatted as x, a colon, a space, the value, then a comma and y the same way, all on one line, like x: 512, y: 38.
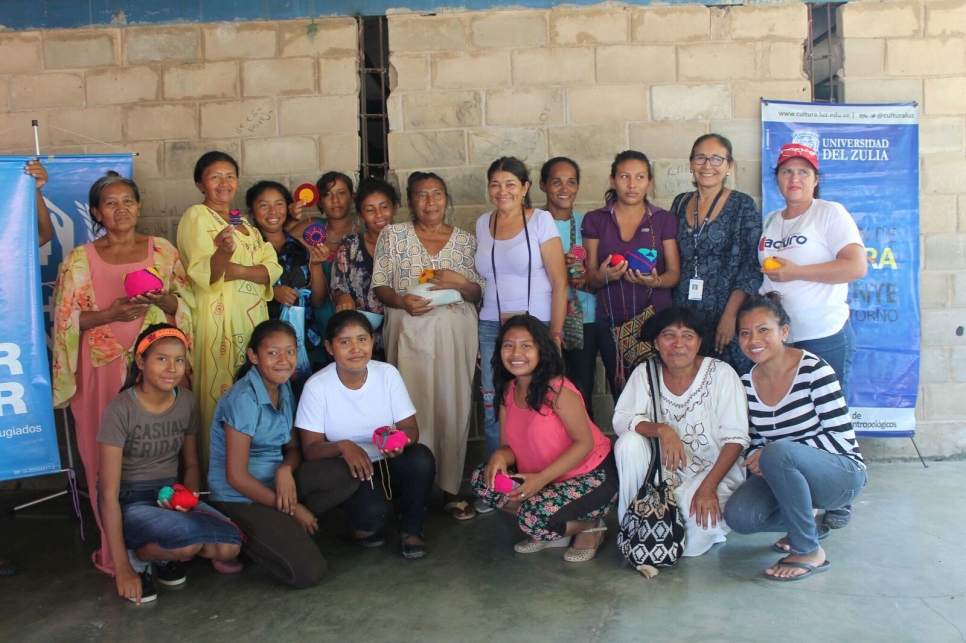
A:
x: 28, y: 436
x: 869, y: 158
x: 70, y: 179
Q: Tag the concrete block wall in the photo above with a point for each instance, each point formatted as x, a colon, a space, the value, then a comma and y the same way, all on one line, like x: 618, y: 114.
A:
x: 279, y: 96
x: 586, y: 83
x: 916, y: 50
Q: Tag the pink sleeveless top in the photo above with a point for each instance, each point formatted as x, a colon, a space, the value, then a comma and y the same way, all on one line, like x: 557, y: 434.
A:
x: 108, y: 282
x: 538, y: 439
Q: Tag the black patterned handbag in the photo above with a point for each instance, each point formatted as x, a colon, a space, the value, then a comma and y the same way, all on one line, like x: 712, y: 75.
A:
x: 652, y: 530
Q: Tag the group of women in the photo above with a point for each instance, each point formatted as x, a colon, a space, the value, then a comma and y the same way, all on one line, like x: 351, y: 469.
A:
x: 536, y: 292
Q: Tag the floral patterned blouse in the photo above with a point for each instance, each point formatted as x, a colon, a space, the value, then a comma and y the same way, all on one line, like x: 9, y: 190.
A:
x: 401, y: 257
x: 352, y: 273
x: 74, y: 294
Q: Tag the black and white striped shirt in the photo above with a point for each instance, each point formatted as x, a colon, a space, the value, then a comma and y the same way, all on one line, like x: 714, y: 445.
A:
x: 813, y: 412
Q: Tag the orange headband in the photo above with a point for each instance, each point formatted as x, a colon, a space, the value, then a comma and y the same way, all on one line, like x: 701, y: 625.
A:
x: 159, y: 334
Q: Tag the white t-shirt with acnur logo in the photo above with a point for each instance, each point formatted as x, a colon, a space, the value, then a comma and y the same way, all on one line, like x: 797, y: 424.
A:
x: 816, y: 236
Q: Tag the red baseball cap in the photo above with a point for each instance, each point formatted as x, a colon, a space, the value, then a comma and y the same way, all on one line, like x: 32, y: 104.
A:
x: 798, y: 151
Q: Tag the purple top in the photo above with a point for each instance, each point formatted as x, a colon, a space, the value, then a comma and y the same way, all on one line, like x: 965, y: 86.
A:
x: 629, y: 299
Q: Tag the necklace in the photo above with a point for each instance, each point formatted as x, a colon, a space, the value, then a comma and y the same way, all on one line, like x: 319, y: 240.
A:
x: 798, y: 221
x: 365, y: 377
x: 328, y: 239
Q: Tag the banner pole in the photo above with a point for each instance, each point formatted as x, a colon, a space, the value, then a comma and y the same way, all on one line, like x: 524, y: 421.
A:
x: 36, y: 137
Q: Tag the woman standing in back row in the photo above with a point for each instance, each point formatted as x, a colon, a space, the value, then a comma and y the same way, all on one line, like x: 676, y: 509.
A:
x: 718, y: 233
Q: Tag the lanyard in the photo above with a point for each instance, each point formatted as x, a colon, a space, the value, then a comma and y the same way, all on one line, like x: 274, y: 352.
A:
x: 696, y: 231
x: 495, y: 217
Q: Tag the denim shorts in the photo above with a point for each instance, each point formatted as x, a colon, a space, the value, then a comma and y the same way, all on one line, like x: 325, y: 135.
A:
x: 144, y: 522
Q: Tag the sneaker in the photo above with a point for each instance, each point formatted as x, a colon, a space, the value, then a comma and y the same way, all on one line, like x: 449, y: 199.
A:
x: 172, y: 573
x: 148, y: 591
x: 482, y: 507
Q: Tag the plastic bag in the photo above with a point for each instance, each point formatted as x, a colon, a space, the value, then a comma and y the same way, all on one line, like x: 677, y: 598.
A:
x: 295, y: 316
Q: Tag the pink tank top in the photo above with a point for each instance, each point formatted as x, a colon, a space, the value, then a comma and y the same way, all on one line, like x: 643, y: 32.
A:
x: 108, y: 282
x: 538, y: 439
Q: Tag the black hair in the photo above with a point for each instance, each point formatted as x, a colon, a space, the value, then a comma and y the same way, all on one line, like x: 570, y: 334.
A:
x: 818, y: 178
x: 725, y: 143
x: 772, y: 302
x: 258, y: 189
x: 673, y: 316
x: 134, y: 371
x: 97, y: 190
x: 262, y: 332
x: 551, y: 364
x: 210, y: 158
x: 417, y: 177
x: 344, y: 319
x: 627, y: 155
x: 374, y: 185
x: 327, y: 180
x: 514, y: 166
x: 545, y: 170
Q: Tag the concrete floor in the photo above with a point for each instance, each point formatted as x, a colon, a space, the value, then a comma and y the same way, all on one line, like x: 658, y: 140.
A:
x: 898, y: 574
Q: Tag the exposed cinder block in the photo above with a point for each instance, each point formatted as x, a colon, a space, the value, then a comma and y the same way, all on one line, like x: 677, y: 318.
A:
x: 942, y: 135
x: 201, y: 81
x: 745, y: 137
x: 690, y: 102
x: 80, y: 49
x: 426, y: 33
x: 934, y: 364
x: 318, y: 115
x: 945, y: 96
x: 339, y: 76
x: 525, y: 106
x: 607, y: 103
x: 588, y: 142
x: 161, y: 44
x: 180, y: 156
x: 506, y: 28
x: 680, y: 24
x: 603, y: 25
x: 408, y: 72
x: 278, y: 77
x: 339, y: 152
x: 21, y: 52
x: 946, y: 17
x: 748, y: 95
x: 281, y: 155
x: 880, y: 19
x: 945, y: 252
x: 762, y: 22
x: 441, y: 110
x: 160, y: 122
x: 666, y: 140
x: 55, y: 89
x: 528, y: 145
x: 864, y: 58
x: 786, y: 59
x: 238, y: 118
x: 240, y: 41
x: 470, y: 70
x: 937, y: 213
x: 731, y: 61
x: 926, y: 57
x: 646, y: 64
x: 415, y: 150
x: 553, y: 66
x: 883, y: 91
x: 82, y: 126
x: 119, y: 85
x: 934, y: 289
x: 16, y: 134
x: 336, y: 37
x: 943, y: 175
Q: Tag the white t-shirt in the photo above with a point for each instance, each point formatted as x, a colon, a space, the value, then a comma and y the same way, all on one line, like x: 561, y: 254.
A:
x: 510, y: 256
x: 341, y: 413
x: 816, y: 236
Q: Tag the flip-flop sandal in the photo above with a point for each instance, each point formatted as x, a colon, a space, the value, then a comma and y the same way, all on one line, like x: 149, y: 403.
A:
x: 838, y: 518
x: 811, y: 570
x: 458, y: 509
x: 823, y: 533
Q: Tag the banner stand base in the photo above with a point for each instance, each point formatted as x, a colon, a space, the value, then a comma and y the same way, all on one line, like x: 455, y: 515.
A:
x: 71, y: 480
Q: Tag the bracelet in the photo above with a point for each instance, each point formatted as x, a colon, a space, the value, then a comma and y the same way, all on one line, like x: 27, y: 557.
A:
x: 658, y: 281
x: 559, y: 336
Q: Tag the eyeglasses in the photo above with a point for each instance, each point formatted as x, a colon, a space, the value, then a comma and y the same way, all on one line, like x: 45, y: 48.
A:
x: 701, y: 159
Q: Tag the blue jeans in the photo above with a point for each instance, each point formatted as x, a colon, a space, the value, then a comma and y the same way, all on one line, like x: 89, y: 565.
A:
x: 145, y: 522
x: 796, y: 478
x: 837, y: 350
x: 491, y: 422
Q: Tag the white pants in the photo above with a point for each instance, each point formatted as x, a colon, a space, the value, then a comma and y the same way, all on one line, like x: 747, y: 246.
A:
x: 633, y: 454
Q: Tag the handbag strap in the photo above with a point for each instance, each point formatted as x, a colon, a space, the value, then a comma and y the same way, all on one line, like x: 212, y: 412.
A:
x: 495, y: 217
x: 654, y: 383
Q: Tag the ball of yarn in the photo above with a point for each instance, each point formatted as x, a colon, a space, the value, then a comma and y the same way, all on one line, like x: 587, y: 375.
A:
x: 143, y: 281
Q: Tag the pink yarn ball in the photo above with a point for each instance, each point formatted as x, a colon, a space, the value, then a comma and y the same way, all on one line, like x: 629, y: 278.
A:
x: 143, y: 281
